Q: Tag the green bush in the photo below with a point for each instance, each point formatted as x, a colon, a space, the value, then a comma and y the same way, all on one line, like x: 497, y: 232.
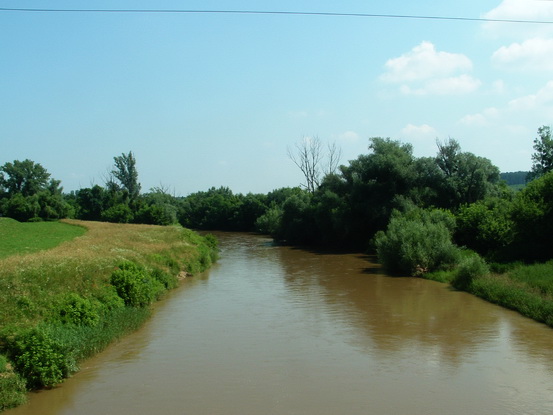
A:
x: 169, y: 281
x: 135, y: 285
x: 120, y: 213
x: 469, y: 269
x: 269, y: 223
x: 74, y: 309
x: 12, y: 387
x: 40, y: 359
x: 109, y: 298
x: 416, y: 242
x: 485, y: 226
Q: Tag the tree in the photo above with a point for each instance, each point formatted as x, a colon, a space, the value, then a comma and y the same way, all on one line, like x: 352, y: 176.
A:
x: 466, y: 178
x: 542, y: 159
x: 374, y: 182
x: 309, y: 158
x: 25, y: 177
x: 125, y: 171
x: 532, y: 214
x: 28, y: 192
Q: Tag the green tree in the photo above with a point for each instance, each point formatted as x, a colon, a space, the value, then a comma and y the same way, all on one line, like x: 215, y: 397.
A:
x: 91, y: 202
x: 25, y: 177
x: 29, y: 192
x: 126, y: 173
x: 542, y: 159
x: 373, y: 183
x: 485, y: 226
x: 533, y: 220
x: 466, y: 178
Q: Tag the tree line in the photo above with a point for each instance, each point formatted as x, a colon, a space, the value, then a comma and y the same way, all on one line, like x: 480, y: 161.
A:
x: 387, y: 200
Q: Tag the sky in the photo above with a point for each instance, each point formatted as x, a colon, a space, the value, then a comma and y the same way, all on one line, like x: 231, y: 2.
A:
x: 216, y: 99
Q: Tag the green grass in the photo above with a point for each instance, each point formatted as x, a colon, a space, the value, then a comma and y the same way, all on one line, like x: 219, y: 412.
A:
x: 29, y: 237
x: 527, y: 289
x: 537, y: 276
x: 58, y: 305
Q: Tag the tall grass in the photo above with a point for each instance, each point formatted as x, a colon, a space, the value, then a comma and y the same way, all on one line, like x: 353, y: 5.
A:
x: 58, y: 306
x: 527, y: 289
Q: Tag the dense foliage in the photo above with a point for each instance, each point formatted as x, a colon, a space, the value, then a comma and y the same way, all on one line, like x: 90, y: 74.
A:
x: 345, y: 207
x: 417, y: 241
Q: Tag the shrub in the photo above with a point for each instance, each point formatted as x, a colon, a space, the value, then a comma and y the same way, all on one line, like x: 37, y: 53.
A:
x: 416, y: 242
x: 469, y: 269
x: 74, y: 309
x: 269, y: 223
x: 12, y: 387
x: 134, y: 285
x: 40, y: 359
x: 120, y: 213
x: 169, y: 281
x: 485, y: 226
x: 157, y: 214
x: 109, y: 298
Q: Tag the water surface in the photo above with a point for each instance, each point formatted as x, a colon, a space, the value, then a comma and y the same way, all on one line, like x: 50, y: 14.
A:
x: 278, y: 330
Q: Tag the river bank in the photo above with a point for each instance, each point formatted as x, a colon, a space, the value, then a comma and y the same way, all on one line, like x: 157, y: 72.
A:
x: 61, y: 305
x: 527, y: 289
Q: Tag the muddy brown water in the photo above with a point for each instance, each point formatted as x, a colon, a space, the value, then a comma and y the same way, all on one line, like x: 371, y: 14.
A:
x: 278, y: 330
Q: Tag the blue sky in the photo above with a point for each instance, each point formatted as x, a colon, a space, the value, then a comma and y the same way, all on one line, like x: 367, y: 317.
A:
x: 216, y: 99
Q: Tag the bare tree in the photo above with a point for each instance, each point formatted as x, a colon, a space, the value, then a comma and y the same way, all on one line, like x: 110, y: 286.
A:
x: 308, y: 156
x: 333, y: 158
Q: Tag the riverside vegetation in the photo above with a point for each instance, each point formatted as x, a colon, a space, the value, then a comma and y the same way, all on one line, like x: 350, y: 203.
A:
x: 450, y: 218
x: 59, y: 305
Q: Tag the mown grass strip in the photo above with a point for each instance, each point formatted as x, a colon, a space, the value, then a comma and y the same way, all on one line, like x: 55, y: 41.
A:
x: 25, y: 238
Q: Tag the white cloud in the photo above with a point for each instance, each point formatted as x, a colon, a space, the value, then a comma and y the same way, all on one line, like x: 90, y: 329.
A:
x: 540, y: 101
x: 540, y: 10
x: 536, y: 107
x: 424, y: 62
x: 522, y: 10
x: 534, y: 54
x: 425, y: 71
x: 349, y: 137
x: 419, y: 131
x: 484, y: 118
x: 474, y: 120
x: 462, y: 84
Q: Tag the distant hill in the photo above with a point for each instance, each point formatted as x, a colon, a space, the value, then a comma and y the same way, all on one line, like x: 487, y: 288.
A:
x: 515, y: 178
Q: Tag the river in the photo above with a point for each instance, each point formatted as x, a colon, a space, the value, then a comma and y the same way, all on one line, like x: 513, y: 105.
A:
x: 278, y: 330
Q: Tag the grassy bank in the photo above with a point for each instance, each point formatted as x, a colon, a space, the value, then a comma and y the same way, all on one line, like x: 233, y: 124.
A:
x: 60, y: 305
x: 25, y: 238
x: 527, y: 289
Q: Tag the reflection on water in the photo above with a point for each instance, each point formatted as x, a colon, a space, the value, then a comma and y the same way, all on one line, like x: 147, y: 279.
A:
x: 278, y: 330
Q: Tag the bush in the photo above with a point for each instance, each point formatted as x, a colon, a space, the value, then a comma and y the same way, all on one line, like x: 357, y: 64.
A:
x: 416, y: 242
x: 40, y: 359
x: 12, y: 387
x: 135, y: 285
x: 120, y: 213
x: 157, y: 214
x: 269, y: 222
x: 109, y: 298
x: 169, y: 281
x: 74, y: 309
x: 469, y: 269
